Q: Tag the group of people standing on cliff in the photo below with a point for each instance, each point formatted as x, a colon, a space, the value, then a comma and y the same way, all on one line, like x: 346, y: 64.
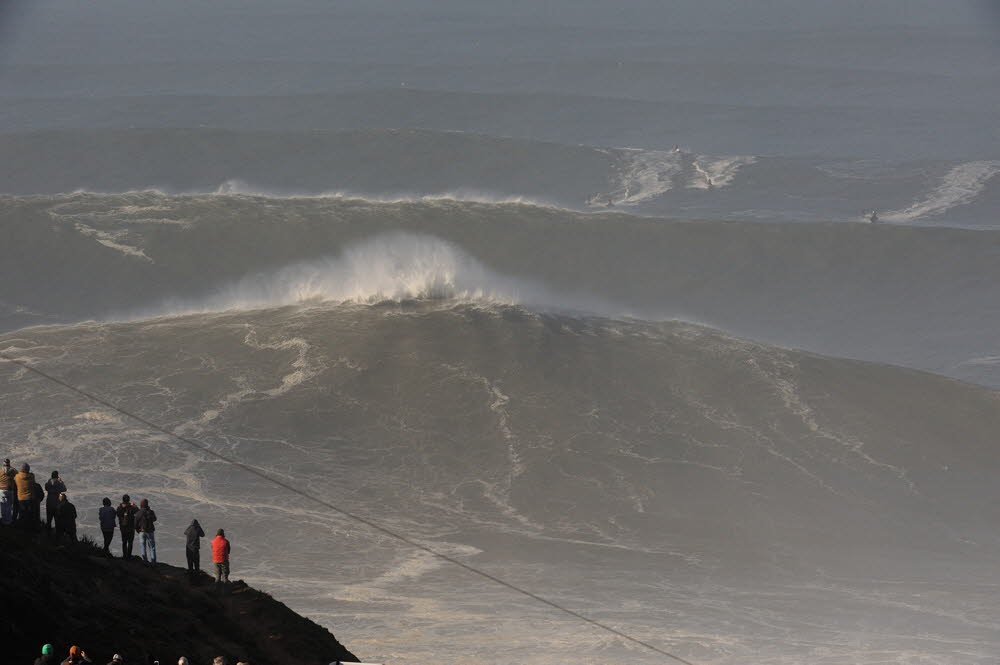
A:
x: 20, y: 504
x: 21, y: 499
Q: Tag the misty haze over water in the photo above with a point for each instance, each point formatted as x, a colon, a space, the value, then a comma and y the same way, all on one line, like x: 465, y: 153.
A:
x: 584, y: 295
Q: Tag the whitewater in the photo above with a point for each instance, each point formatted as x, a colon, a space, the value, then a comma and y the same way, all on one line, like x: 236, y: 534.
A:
x: 583, y: 297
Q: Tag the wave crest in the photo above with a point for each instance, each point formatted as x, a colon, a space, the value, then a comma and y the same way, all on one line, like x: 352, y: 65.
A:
x: 394, y: 267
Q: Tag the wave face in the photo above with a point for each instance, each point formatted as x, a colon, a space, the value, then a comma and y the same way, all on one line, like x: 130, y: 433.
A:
x: 392, y: 165
x: 394, y: 267
x: 920, y: 297
x: 652, y: 476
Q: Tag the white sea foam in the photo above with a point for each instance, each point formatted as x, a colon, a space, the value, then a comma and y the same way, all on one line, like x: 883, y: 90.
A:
x: 644, y: 175
x: 960, y: 186
x: 462, y: 195
x: 112, y: 241
x: 714, y: 172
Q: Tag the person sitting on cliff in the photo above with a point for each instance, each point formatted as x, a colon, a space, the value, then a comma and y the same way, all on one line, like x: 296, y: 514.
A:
x: 25, y: 482
x: 126, y: 524
x: 48, y: 656
x: 76, y: 656
x: 220, y: 556
x: 106, y: 517
x: 194, y: 533
x: 144, y: 524
x: 54, y: 486
x: 65, y: 519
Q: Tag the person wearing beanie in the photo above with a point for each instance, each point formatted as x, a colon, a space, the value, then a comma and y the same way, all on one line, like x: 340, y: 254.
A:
x: 77, y: 656
x: 144, y: 524
x: 48, y: 656
x: 183, y: 661
x: 220, y: 556
x: 54, y: 486
x: 65, y: 519
x: 116, y: 660
x: 25, y: 482
x: 194, y: 533
x: 126, y: 525
x: 106, y: 517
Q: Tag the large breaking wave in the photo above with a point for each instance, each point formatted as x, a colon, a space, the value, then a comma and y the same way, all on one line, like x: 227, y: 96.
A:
x: 395, y: 267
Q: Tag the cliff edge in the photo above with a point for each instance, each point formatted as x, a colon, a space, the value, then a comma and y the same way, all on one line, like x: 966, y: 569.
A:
x: 73, y: 594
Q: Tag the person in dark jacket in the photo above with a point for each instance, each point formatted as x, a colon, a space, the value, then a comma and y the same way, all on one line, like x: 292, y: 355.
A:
x: 194, y: 533
x: 126, y: 525
x: 37, y: 497
x: 47, y: 657
x: 8, y: 494
x: 65, y: 519
x: 54, y: 486
x: 77, y: 656
x: 106, y: 516
x: 220, y: 556
x: 144, y: 524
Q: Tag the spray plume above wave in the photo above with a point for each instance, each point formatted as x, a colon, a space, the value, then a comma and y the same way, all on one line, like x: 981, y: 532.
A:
x: 393, y: 267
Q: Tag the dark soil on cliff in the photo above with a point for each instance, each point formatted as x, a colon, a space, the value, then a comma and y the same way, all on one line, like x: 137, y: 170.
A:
x: 66, y: 595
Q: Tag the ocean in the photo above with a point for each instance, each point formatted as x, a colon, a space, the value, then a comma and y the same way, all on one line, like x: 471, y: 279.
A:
x: 585, y: 298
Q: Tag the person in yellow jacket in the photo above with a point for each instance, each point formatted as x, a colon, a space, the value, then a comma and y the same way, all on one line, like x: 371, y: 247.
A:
x: 25, y: 482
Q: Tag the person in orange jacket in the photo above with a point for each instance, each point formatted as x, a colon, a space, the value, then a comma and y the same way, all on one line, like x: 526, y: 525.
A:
x: 25, y: 482
x: 220, y: 556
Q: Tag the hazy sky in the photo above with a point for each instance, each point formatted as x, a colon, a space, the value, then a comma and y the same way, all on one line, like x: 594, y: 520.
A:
x: 72, y: 31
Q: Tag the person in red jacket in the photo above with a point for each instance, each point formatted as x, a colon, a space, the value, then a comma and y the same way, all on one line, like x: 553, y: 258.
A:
x: 220, y: 556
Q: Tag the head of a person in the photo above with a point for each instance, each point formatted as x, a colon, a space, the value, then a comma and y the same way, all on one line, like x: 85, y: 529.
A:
x: 6, y: 462
x: 126, y: 498
x: 26, y: 468
x: 221, y: 532
x: 62, y: 497
x: 55, y: 474
x: 219, y: 660
x: 116, y: 658
x: 75, y: 651
x: 183, y: 661
x: 46, y: 649
x: 105, y: 501
x: 144, y: 503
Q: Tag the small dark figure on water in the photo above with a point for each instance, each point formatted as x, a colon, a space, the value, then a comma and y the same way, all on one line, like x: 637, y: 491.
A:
x: 194, y: 533
x: 126, y: 524
x: 220, y: 556
x: 65, y: 514
x: 54, y: 486
x: 873, y: 218
x: 144, y: 524
x: 106, y: 516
